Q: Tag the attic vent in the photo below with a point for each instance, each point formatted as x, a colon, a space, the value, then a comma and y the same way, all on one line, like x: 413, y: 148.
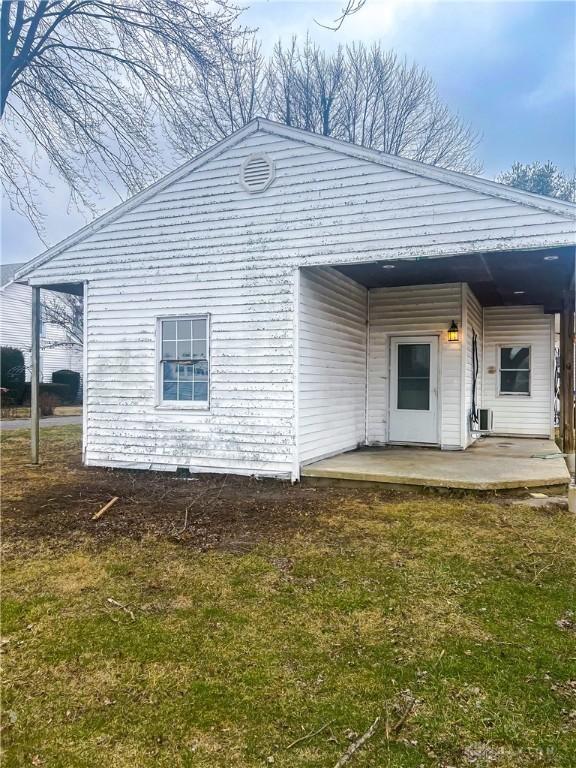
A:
x: 257, y: 173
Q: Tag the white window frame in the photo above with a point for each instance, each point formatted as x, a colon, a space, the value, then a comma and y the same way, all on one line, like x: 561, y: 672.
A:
x: 181, y: 405
x: 500, y: 369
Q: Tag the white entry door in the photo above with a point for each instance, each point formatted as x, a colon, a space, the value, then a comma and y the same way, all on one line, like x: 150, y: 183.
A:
x: 414, y: 390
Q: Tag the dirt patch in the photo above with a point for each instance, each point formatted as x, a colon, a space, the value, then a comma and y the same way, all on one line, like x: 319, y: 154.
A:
x: 52, y: 506
x: 203, y: 512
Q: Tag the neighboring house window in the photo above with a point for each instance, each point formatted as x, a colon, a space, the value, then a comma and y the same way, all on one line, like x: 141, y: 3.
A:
x: 184, y: 360
x: 514, y: 370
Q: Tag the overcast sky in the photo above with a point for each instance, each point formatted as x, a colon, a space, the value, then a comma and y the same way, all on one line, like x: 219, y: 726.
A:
x: 507, y: 67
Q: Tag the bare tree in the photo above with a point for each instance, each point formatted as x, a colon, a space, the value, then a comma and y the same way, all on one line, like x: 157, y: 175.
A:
x: 303, y: 86
x: 224, y: 97
x: 89, y: 82
x: 365, y: 95
x: 66, y: 311
x: 102, y: 90
x: 281, y: 83
x: 393, y: 106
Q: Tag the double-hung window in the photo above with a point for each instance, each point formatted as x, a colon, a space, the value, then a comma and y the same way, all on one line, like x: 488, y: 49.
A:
x: 514, y: 370
x: 184, y: 361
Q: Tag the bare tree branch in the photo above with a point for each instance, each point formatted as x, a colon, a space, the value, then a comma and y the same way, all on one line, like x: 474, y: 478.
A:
x: 91, y: 83
x: 103, y: 90
x: 362, y: 94
x: 65, y: 311
x: 351, y: 7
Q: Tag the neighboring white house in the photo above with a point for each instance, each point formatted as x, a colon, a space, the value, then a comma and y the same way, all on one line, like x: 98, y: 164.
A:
x: 15, y: 327
x: 286, y: 296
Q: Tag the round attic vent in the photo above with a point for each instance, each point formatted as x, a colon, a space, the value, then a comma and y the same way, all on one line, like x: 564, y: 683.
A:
x: 257, y: 173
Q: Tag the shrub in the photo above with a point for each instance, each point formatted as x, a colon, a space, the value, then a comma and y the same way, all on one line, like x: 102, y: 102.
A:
x: 47, y: 401
x: 50, y: 395
x: 71, y: 379
x: 12, y: 374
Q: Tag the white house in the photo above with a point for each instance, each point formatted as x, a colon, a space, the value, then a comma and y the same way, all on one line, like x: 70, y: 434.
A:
x: 57, y: 352
x: 285, y: 297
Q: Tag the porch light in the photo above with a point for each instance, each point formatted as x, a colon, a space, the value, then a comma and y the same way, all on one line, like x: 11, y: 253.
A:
x: 453, y: 332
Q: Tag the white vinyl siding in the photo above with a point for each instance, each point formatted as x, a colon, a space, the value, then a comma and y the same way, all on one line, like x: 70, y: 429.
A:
x: 200, y: 243
x: 249, y: 427
x: 519, y: 326
x: 324, y: 207
x: 332, y: 364
x: 415, y: 311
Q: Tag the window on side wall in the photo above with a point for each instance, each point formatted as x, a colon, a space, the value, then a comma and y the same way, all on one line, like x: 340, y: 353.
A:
x: 184, y: 361
x: 514, y: 370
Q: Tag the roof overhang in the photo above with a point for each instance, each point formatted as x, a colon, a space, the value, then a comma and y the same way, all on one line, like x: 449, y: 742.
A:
x: 504, y: 278
x: 555, y: 207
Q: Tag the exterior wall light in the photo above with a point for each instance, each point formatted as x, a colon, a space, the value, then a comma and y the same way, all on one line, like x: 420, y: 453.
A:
x: 453, y: 332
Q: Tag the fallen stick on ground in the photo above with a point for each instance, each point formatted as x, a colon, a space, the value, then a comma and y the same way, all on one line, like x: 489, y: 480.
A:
x: 121, y: 605
x: 105, y: 508
x: 357, y: 744
x: 185, y: 522
x: 400, y: 724
x: 309, y: 735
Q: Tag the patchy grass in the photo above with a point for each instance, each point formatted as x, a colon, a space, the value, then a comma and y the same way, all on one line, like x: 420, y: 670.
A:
x: 136, y: 641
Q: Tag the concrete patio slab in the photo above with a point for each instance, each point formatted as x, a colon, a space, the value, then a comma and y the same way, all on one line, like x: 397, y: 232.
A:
x: 492, y: 463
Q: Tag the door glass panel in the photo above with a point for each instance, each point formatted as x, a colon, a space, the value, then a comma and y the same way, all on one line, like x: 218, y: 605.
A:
x: 414, y: 377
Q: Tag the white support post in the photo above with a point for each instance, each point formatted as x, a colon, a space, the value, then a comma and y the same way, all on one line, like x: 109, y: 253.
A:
x: 35, y: 378
x: 295, y: 473
x: 84, y: 371
x: 567, y: 382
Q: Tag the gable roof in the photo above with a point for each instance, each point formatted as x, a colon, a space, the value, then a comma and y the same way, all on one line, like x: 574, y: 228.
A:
x: 7, y: 272
x: 484, y: 186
